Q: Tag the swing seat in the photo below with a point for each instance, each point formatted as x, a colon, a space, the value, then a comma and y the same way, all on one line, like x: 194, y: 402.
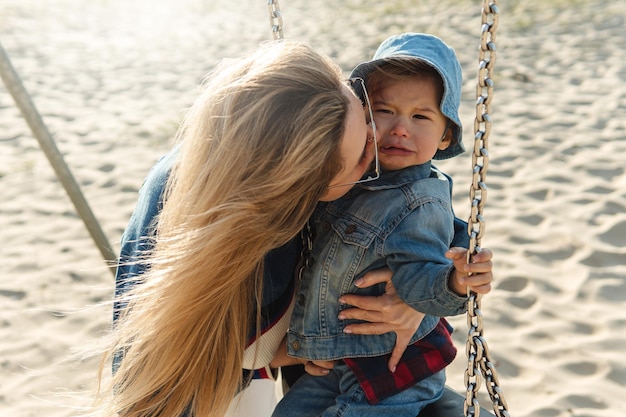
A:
x: 449, y: 405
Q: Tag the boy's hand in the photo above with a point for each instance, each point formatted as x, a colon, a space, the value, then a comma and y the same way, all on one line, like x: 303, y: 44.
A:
x: 477, y: 275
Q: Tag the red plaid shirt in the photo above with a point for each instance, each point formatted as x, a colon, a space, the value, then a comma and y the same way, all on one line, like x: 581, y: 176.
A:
x: 422, y: 359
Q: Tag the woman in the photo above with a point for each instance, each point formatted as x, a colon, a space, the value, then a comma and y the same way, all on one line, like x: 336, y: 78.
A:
x: 256, y: 152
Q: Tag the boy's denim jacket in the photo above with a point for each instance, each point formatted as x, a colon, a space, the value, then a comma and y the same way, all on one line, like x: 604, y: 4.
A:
x: 403, y: 220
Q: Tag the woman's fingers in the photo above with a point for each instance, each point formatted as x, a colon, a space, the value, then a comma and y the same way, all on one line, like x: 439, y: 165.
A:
x: 369, y: 328
x: 402, y: 341
x: 374, y: 277
x: 318, y: 368
x: 360, y: 312
x: 368, y: 304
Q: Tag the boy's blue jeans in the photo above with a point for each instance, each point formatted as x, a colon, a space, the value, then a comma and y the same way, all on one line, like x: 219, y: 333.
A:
x: 339, y: 394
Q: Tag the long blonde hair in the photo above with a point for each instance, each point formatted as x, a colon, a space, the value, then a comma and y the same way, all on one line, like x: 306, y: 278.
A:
x: 257, y: 151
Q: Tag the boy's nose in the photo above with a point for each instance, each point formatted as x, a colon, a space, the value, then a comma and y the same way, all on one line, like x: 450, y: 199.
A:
x: 399, y: 128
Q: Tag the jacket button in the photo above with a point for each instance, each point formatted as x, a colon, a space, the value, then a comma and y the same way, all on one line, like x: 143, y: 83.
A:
x: 301, y: 299
x: 295, y: 345
x: 350, y: 229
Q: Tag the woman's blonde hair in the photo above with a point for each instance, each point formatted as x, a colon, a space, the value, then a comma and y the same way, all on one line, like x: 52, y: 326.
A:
x: 257, y: 151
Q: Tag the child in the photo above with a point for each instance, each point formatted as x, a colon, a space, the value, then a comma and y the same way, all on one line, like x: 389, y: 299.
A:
x: 403, y: 220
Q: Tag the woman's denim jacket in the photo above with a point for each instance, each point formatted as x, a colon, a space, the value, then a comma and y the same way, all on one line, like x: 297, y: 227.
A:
x: 404, y: 221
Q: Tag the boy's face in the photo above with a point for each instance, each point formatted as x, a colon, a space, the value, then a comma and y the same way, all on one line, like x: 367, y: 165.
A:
x: 409, y: 123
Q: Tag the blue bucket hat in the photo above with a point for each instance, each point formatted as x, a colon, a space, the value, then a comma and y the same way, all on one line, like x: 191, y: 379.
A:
x: 433, y: 51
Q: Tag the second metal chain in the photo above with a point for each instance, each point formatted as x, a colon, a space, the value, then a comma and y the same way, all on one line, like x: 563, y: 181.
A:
x: 479, y: 363
x: 276, y: 19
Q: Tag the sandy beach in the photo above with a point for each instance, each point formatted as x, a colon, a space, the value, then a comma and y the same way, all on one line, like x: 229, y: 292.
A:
x: 111, y: 79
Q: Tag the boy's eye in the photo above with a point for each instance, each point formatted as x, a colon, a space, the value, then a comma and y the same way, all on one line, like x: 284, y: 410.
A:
x: 420, y: 116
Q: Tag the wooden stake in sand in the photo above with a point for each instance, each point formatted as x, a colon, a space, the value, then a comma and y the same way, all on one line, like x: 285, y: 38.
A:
x: 29, y: 112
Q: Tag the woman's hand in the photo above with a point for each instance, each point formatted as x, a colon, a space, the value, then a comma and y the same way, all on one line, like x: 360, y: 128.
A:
x: 315, y: 368
x: 385, y: 313
x: 476, y: 275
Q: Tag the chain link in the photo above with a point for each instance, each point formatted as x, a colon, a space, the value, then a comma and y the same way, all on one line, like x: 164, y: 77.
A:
x: 479, y: 364
x: 306, y: 234
x: 276, y: 19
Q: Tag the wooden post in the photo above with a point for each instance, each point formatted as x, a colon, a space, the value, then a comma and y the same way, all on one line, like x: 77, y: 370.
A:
x: 37, y: 126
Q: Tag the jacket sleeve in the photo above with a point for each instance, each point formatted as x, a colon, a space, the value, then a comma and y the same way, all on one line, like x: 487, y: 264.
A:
x: 415, y: 253
x: 137, y: 240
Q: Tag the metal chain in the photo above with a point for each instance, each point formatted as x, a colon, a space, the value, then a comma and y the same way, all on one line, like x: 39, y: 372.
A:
x: 276, y: 19
x: 306, y: 234
x: 479, y: 363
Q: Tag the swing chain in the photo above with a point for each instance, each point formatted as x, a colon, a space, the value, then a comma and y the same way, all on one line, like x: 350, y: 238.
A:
x: 479, y: 363
x: 276, y: 19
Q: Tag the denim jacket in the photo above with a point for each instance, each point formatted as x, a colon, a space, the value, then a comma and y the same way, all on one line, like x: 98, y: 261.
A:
x: 404, y: 221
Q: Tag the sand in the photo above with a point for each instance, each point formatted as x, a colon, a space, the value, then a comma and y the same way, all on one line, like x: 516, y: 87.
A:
x: 111, y: 79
